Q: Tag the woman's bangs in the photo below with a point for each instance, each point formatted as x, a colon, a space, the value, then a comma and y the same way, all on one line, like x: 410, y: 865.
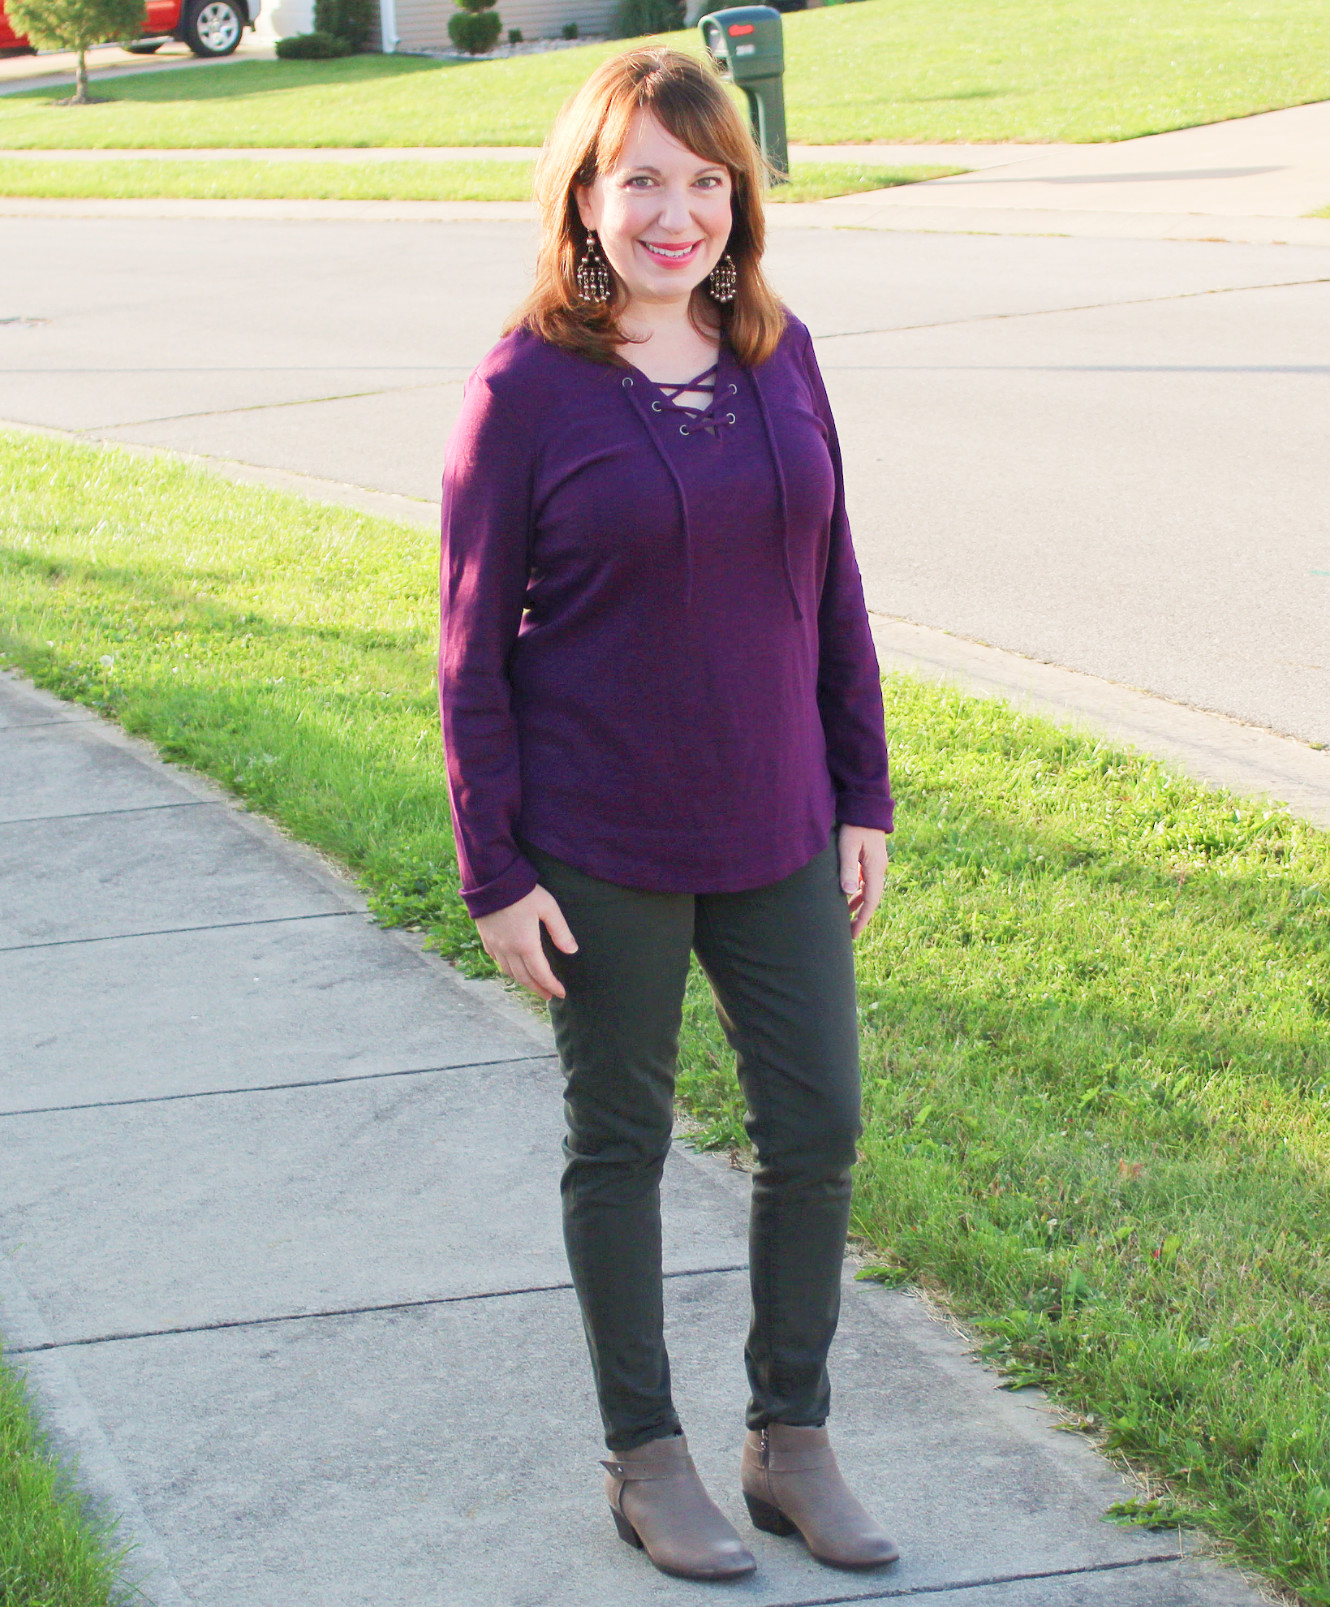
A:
x: 704, y: 129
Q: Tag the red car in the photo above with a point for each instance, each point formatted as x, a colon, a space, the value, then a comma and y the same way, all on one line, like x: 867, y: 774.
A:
x: 208, y: 27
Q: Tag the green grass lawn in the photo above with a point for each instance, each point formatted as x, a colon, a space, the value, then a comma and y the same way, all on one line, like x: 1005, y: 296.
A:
x: 881, y: 70
x: 367, y: 181
x: 51, y: 1553
x: 1095, y: 1006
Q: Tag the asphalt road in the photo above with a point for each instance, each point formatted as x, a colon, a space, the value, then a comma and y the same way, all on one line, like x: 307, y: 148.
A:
x: 1106, y: 454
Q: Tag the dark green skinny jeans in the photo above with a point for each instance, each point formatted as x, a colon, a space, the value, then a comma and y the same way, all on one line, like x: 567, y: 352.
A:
x: 781, y: 967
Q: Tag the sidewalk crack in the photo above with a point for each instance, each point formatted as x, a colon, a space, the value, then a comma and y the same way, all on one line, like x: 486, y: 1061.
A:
x: 337, y: 1311
x: 98, y: 814
x: 173, y: 931
x: 56, y: 719
x: 273, y: 1087
x: 989, y: 1581
x: 1089, y: 306
x: 266, y: 407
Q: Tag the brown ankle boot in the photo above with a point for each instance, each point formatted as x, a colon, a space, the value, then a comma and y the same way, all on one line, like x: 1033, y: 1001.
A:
x: 791, y: 1481
x: 660, y: 1504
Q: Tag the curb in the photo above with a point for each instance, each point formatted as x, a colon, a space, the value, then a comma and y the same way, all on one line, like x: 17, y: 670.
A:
x: 1214, y: 748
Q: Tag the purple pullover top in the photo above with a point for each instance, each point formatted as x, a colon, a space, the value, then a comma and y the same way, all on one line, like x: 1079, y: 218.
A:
x: 655, y: 660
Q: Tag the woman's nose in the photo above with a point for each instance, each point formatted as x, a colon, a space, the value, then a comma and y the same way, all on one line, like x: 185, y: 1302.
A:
x: 674, y: 210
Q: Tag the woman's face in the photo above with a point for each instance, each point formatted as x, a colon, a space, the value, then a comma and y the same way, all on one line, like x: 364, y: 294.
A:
x: 662, y: 214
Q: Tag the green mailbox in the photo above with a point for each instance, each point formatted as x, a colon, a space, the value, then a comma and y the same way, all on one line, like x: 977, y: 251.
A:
x: 747, y: 45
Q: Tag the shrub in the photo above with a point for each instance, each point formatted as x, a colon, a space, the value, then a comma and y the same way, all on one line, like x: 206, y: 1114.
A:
x: 570, y: 30
x: 474, y: 32
x: 514, y: 36
x: 632, y: 18
x: 312, y: 47
x: 475, y: 28
x: 345, y: 19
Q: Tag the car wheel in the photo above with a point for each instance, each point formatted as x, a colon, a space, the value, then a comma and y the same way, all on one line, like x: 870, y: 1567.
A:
x: 213, y: 28
x: 138, y: 49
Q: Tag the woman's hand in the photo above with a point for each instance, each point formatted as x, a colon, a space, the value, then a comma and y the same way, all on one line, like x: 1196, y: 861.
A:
x: 511, y: 938
x: 863, y: 870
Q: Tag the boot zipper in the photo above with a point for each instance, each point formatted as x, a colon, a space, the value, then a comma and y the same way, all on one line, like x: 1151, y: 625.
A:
x: 766, y: 1449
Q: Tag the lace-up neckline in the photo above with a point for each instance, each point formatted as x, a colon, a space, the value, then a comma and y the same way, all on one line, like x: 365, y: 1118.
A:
x: 704, y: 382
x: 709, y: 420
x: 706, y: 418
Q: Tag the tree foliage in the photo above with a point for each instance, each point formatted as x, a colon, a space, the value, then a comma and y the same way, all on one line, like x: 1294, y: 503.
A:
x: 75, y: 24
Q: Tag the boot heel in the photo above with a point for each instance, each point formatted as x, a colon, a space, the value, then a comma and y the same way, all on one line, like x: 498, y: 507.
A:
x: 766, y: 1517
x: 626, y: 1530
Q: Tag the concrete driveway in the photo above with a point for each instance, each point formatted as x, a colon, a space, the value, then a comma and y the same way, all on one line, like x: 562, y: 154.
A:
x: 49, y: 69
x: 1105, y: 454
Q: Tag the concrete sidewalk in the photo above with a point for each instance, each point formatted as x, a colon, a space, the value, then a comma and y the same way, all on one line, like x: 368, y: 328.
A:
x: 281, y: 1256
x: 1250, y: 180
x: 1274, y: 165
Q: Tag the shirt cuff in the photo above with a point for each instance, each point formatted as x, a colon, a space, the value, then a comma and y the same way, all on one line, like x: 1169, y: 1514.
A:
x: 516, y: 882
x: 874, y: 811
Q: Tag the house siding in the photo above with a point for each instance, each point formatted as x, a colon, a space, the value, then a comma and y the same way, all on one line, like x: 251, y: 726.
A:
x: 423, y: 24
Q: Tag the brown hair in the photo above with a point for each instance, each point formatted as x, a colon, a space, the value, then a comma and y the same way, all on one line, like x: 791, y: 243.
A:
x: 687, y: 99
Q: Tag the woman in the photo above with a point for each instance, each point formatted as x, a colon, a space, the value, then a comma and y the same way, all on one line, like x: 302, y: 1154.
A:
x: 664, y: 730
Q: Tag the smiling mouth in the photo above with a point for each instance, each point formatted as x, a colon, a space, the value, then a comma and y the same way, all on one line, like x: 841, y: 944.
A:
x: 664, y: 253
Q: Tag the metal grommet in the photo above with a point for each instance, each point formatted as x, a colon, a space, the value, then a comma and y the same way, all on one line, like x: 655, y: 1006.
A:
x: 627, y: 382
x: 734, y: 390
x: 655, y: 407
x: 729, y: 418
x: 683, y: 429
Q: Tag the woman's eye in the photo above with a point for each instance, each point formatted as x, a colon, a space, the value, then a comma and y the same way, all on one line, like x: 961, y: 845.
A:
x: 710, y: 182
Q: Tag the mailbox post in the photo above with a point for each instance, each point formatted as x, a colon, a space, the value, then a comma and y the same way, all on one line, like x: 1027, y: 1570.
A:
x: 747, y: 45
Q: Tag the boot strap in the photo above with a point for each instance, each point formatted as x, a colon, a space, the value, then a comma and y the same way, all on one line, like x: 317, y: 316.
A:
x: 628, y: 1473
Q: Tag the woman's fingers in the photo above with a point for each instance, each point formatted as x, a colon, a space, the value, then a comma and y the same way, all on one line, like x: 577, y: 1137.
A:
x: 527, y: 966
x: 542, y: 977
x: 532, y: 971
x: 863, y: 872
x: 875, y: 877
x: 560, y: 933
x: 848, y: 847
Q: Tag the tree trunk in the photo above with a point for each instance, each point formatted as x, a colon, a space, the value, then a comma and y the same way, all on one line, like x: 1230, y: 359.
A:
x: 81, y: 81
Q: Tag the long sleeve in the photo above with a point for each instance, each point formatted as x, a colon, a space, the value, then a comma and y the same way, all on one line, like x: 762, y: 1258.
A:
x: 482, y: 584
x: 849, y: 686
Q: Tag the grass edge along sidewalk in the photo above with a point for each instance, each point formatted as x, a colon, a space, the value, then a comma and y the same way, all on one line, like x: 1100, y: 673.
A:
x: 403, y: 180
x: 974, y: 70
x: 53, y: 1553
x: 1095, y: 1008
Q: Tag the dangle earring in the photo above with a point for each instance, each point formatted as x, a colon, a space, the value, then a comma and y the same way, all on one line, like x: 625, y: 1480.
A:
x: 593, y: 273
x: 724, y: 279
